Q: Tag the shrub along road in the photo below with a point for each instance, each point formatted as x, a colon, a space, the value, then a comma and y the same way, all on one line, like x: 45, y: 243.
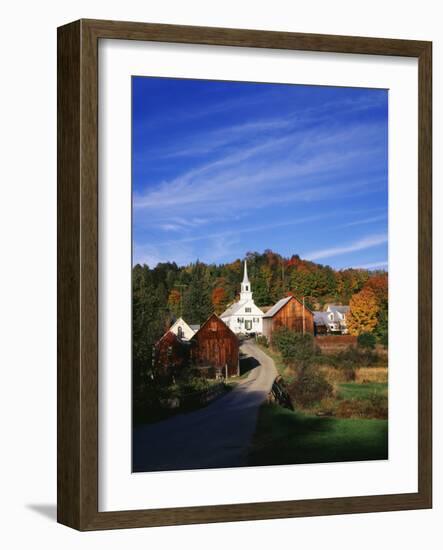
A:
x: 216, y: 436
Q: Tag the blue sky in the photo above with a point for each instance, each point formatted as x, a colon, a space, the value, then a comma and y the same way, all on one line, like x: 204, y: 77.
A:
x: 224, y: 168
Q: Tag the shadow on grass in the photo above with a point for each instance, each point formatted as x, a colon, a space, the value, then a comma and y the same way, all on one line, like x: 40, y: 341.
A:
x: 285, y: 437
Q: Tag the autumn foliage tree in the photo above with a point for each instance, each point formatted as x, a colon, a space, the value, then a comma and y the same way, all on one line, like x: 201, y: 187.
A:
x: 219, y: 299
x: 174, y: 302
x: 378, y: 285
x: 363, y: 312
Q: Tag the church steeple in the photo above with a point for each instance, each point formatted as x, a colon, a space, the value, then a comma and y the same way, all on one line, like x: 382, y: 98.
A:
x: 245, y: 274
x: 246, y: 292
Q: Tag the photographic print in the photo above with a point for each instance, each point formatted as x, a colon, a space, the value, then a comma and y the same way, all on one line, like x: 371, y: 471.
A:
x: 259, y: 274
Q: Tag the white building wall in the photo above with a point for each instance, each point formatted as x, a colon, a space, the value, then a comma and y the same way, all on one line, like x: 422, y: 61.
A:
x: 246, y: 322
x: 247, y: 317
x: 187, y: 332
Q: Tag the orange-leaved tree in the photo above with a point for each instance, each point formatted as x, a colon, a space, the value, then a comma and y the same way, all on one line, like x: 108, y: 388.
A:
x: 174, y: 301
x: 219, y: 299
x: 378, y: 285
x: 362, y: 316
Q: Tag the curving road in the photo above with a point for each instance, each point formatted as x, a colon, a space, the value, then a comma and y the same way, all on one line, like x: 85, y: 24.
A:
x: 216, y: 436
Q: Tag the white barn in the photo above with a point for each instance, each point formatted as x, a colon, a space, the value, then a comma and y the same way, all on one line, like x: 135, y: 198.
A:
x: 244, y: 316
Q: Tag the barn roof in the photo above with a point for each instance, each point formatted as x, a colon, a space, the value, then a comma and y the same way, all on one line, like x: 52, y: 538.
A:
x: 167, y: 336
x: 281, y: 303
x: 277, y: 307
x: 212, y: 316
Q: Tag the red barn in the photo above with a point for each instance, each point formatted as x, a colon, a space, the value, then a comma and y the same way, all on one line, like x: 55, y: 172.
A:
x: 215, y: 348
x: 171, y: 352
x: 288, y: 312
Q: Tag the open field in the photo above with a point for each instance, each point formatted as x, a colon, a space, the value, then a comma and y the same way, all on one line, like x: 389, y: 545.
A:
x: 354, y: 390
x: 286, y: 437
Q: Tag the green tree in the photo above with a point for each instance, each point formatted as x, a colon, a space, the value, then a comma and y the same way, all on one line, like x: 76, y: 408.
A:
x: 296, y: 348
x: 197, y: 303
x: 381, y: 330
x: 366, y: 340
x: 149, y: 317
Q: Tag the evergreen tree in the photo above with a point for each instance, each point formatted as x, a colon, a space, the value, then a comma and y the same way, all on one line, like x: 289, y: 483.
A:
x: 197, y: 304
x: 149, y: 316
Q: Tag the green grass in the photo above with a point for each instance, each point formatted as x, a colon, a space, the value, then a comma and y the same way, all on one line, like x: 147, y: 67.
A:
x: 286, y: 437
x: 353, y: 390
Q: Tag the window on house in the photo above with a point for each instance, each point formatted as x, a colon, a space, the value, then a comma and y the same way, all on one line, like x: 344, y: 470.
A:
x: 180, y: 332
x: 248, y: 309
x: 213, y: 326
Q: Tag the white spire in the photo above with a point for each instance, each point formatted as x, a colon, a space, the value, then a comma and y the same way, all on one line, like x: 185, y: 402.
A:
x: 245, y: 293
x: 245, y: 274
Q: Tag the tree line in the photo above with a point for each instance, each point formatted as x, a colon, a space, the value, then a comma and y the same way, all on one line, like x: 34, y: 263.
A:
x: 167, y: 291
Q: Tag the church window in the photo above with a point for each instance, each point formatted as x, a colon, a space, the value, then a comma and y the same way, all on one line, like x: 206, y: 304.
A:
x: 248, y: 309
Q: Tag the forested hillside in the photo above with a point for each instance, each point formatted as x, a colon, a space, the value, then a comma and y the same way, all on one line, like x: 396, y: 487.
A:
x: 195, y: 291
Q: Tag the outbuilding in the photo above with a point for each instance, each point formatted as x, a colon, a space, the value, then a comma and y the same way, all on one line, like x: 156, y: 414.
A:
x: 215, y: 349
x: 291, y: 313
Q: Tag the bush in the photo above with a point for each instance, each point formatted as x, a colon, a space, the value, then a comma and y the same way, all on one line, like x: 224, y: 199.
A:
x: 310, y: 387
x: 376, y: 406
x: 355, y: 357
x: 263, y: 341
x: 366, y: 340
x: 348, y: 371
x: 294, y: 347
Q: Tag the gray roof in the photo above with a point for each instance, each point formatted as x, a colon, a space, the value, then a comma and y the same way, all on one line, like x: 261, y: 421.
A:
x: 321, y: 317
x: 277, y: 307
x: 340, y: 309
x: 194, y: 327
x: 232, y: 309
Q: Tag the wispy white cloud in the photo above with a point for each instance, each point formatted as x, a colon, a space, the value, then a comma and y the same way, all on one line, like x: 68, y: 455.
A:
x: 202, y: 236
x: 211, y: 142
x: 225, y: 179
x: 361, y: 244
x: 365, y: 221
x: 372, y: 265
x: 272, y: 171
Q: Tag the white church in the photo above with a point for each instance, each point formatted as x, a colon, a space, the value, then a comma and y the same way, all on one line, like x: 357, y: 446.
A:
x: 244, y: 316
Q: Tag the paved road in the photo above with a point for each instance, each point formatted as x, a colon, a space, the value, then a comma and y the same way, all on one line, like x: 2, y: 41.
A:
x: 216, y: 436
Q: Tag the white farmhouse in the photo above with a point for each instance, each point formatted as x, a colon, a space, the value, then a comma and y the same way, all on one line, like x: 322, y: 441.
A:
x: 182, y: 330
x: 337, y: 318
x: 244, y: 316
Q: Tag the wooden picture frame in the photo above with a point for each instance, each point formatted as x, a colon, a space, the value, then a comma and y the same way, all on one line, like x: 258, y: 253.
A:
x: 78, y: 273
